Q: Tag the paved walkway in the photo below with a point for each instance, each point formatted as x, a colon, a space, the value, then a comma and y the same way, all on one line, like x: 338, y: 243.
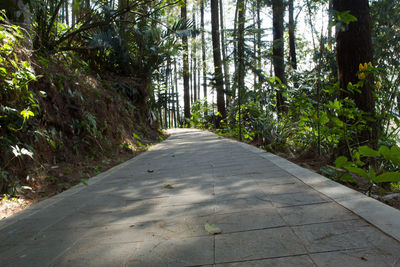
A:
x: 151, y: 211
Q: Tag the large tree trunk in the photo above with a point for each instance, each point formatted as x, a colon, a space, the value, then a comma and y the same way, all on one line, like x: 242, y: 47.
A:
x: 278, y: 9
x: 186, y: 97
x: 353, y: 46
x: 203, y: 54
x: 217, y: 61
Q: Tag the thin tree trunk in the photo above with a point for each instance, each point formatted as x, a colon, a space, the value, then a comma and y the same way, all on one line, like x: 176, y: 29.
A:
x: 198, y: 82
x: 224, y: 58
x: 67, y: 11
x: 241, y: 68
x: 259, y: 39
x: 177, y: 93
x: 173, y: 89
x: 191, y: 78
x: 186, y: 96
x: 330, y: 16
x: 194, y: 59
x: 166, y: 97
x: 292, y: 36
x: 203, y: 55
x: 217, y: 62
x: 159, y: 100
x: 278, y: 9
x: 254, y: 11
x: 235, y: 48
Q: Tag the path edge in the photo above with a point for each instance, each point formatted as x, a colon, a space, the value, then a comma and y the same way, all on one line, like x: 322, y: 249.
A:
x: 384, y: 217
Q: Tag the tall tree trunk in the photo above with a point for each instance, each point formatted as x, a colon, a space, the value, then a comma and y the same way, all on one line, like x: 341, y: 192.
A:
x: 191, y: 77
x: 178, y: 115
x: 186, y: 97
x: 259, y: 39
x: 224, y: 58
x: 166, y: 97
x: 240, y: 59
x: 330, y: 16
x: 67, y: 12
x: 254, y: 11
x: 292, y: 36
x: 354, y: 46
x: 198, y: 81
x: 194, y: 59
x: 203, y: 55
x: 278, y: 9
x: 217, y: 61
x: 235, y: 48
x: 159, y: 100
x: 173, y: 90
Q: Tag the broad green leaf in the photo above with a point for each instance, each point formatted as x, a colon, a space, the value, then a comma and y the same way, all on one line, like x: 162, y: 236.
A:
x: 340, y: 161
x: 347, y: 178
x: 368, y: 152
x: 388, y: 177
x: 337, y: 121
x: 136, y: 136
x: 384, y: 150
x: 53, y: 144
x: 358, y: 171
x: 212, y: 229
x: 27, y: 113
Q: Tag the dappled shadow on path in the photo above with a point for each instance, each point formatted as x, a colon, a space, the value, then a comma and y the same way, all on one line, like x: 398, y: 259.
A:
x: 152, y: 213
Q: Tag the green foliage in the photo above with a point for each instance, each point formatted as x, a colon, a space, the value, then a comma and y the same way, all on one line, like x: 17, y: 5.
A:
x: 18, y: 103
x: 373, y: 171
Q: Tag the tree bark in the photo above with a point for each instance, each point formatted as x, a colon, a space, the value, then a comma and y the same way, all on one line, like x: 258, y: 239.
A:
x: 278, y: 9
x: 217, y: 61
x: 292, y: 36
x: 178, y: 116
x: 224, y: 58
x: 203, y: 55
x: 194, y: 59
x: 186, y: 97
x: 240, y: 59
x: 354, y: 46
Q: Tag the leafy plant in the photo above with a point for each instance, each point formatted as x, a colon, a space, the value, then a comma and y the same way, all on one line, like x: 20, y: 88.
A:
x: 368, y: 169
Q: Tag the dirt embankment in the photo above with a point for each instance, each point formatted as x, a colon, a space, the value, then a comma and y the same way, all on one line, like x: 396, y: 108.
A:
x: 84, y: 125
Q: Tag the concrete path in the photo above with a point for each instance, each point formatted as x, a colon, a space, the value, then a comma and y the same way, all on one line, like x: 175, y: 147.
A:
x: 271, y: 213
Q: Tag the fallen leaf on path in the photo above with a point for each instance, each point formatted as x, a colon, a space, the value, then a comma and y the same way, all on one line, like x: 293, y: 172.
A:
x: 150, y: 170
x: 168, y: 186
x: 212, y: 229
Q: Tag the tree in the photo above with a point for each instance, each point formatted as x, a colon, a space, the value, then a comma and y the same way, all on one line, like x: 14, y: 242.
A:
x: 219, y: 85
x: 278, y: 9
x: 224, y: 57
x: 292, y: 37
x: 240, y: 59
x: 186, y: 97
x: 203, y: 53
x: 354, y: 47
